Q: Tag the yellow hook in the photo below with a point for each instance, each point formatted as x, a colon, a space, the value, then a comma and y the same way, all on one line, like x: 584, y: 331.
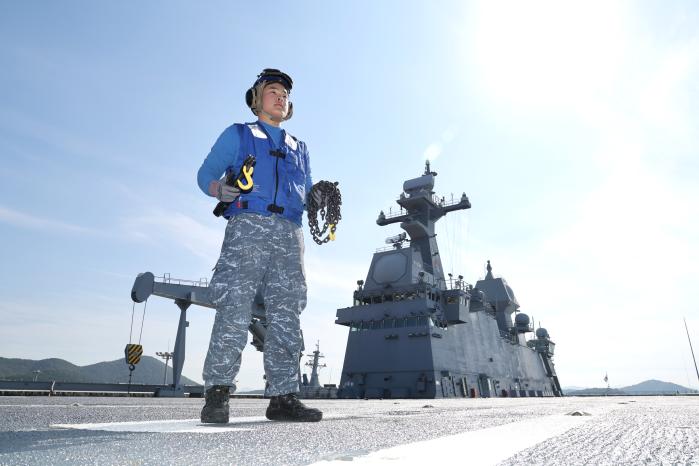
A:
x: 331, y: 235
x: 247, y: 171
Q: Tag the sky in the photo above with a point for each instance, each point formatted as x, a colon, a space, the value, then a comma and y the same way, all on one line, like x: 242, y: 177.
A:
x: 571, y: 126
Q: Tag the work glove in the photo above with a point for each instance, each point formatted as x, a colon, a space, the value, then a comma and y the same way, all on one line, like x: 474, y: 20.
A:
x: 223, y: 192
x: 317, y: 197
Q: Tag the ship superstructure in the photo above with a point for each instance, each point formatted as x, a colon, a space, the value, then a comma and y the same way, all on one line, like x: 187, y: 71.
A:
x: 414, y: 334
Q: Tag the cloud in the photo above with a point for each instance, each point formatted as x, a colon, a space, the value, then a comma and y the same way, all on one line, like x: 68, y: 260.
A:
x: 175, y: 228
x: 634, y: 224
x: 541, y: 53
x: 22, y: 220
x: 666, y: 95
x: 62, y: 142
x: 618, y: 273
x: 328, y: 280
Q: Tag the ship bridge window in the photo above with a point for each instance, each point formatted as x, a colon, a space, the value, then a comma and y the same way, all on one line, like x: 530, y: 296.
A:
x: 389, y: 323
x: 452, y: 299
x: 366, y: 301
x: 376, y: 300
x: 376, y: 324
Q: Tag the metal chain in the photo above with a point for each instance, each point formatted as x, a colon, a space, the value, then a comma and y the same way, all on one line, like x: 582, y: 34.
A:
x: 329, y: 210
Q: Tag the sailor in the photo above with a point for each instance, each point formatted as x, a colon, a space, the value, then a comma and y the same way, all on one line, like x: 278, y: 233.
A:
x: 262, y: 252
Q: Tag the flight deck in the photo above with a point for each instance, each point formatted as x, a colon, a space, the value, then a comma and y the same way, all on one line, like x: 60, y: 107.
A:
x: 568, y: 430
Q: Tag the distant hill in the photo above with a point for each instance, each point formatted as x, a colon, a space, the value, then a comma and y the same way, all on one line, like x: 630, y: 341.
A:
x: 50, y: 369
x: 649, y: 387
x: 656, y: 387
x: 594, y: 391
x: 149, y: 371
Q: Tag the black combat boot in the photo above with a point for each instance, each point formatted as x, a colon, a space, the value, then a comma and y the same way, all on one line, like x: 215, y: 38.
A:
x: 215, y: 410
x: 289, y: 408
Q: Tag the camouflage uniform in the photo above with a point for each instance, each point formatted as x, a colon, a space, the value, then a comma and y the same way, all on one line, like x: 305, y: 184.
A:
x: 259, y: 253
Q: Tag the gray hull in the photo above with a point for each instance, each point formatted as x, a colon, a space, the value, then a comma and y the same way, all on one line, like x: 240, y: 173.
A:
x: 467, y: 360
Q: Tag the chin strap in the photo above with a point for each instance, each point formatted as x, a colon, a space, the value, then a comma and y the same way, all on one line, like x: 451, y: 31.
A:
x: 262, y: 112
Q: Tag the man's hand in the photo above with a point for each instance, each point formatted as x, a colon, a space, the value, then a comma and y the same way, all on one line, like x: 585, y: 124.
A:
x: 223, y: 192
x: 317, y: 196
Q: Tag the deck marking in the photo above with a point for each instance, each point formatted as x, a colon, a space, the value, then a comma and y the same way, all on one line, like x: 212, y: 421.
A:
x: 481, y: 447
x: 178, y: 425
x: 167, y: 425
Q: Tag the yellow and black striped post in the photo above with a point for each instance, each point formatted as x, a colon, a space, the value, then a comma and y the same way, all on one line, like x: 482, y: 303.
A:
x: 133, y: 354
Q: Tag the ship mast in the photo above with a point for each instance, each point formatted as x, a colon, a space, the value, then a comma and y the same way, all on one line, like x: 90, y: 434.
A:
x: 690, y: 347
x: 420, y: 210
x: 313, y: 363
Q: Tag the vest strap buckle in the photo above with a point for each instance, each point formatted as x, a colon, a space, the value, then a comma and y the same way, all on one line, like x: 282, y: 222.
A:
x: 277, y: 153
x: 277, y: 209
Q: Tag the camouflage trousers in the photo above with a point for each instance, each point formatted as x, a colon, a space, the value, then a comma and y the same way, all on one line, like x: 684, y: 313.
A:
x: 259, y: 254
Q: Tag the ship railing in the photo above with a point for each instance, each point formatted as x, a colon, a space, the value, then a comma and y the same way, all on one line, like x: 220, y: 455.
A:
x: 166, y: 278
x: 397, y: 213
x: 443, y: 202
x: 456, y: 284
x: 391, y: 247
x: 403, y: 293
x: 446, y: 284
x: 440, y: 201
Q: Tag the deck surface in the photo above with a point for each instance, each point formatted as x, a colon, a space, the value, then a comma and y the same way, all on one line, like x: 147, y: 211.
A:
x: 90, y: 430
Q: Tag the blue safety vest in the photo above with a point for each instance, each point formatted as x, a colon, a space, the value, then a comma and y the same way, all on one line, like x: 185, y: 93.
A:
x: 281, y: 177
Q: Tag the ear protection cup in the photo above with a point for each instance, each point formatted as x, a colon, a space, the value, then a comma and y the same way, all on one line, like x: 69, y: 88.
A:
x: 251, y: 99
x: 248, y: 97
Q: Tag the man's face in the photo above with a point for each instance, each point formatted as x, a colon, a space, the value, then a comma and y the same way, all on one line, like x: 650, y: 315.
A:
x: 275, y: 101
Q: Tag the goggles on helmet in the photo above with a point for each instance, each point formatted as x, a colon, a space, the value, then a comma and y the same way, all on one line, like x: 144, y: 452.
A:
x: 274, y: 75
